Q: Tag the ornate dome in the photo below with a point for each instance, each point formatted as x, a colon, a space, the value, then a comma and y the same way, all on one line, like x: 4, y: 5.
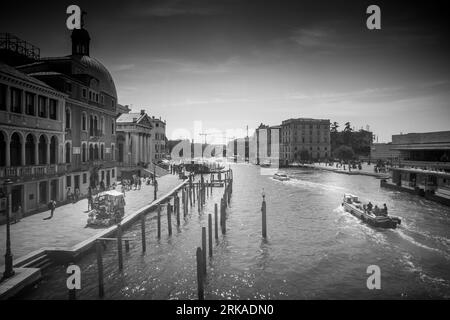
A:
x: 96, y: 69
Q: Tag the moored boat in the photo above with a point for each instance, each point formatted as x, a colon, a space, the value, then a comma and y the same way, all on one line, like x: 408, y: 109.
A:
x: 352, y: 204
x: 280, y: 177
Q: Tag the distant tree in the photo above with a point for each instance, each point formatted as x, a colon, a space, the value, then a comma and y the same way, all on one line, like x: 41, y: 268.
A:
x: 348, y: 127
x: 344, y: 153
x: 334, y: 127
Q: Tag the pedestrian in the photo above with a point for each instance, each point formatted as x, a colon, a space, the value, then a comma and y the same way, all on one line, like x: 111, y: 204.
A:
x: 139, y: 182
x: 51, y: 206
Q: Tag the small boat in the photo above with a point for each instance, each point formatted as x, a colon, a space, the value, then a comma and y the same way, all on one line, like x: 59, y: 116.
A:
x: 352, y: 204
x: 265, y: 164
x: 280, y: 177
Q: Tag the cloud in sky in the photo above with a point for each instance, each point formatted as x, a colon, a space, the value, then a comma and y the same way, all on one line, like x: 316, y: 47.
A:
x: 237, y: 63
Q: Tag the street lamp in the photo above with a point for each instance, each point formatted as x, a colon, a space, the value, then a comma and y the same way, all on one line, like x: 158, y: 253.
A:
x: 9, y: 271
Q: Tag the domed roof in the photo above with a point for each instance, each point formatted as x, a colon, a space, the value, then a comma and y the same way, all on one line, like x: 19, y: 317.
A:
x: 96, y: 69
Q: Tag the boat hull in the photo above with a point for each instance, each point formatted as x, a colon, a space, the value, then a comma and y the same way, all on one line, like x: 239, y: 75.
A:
x: 379, y: 222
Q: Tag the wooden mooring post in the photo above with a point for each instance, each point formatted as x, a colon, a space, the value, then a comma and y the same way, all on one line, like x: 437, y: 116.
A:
x: 177, y: 207
x: 204, y: 249
x: 200, y: 284
x: 263, y: 218
x: 159, y: 221
x: 119, y: 246
x: 210, y: 235
x: 143, y: 233
x: 216, y: 231
x: 99, y: 248
x: 169, y: 219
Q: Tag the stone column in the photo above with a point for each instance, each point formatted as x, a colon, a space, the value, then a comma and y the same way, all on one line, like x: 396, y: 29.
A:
x: 48, y: 152
x: 136, y: 148
x: 126, y: 149
x: 23, y: 162
x: 36, y: 152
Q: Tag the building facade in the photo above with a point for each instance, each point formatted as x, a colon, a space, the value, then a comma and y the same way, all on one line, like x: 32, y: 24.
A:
x: 89, y: 114
x: 423, y: 166
x: 304, y: 139
x: 134, y: 135
x: 159, y: 141
x: 384, y: 152
x: 31, y: 140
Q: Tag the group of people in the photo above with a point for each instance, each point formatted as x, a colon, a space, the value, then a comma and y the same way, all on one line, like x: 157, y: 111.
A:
x: 376, y: 210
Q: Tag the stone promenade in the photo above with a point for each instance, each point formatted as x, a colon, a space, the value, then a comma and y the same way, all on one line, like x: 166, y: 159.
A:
x: 68, y: 225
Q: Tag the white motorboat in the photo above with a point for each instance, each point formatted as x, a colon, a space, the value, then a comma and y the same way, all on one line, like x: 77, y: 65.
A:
x: 352, y: 204
x: 280, y: 177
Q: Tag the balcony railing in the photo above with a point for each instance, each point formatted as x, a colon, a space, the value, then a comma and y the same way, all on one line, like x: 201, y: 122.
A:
x: 31, y: 171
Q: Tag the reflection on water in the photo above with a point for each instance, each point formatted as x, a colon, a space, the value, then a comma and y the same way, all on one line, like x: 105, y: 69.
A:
x: 314, y: 248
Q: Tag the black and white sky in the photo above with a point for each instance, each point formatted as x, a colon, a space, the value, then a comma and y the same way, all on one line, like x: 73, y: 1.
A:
x: 233, y: 63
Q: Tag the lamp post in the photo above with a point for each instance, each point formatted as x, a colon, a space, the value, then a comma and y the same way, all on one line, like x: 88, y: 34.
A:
x: 9, y: 271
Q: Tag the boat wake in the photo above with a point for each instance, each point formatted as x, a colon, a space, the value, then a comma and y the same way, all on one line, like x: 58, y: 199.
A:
x: 418, y: 244
x: 309, y: 184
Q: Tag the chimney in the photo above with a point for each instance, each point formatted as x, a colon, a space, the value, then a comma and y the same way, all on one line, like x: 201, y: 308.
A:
x: 142, y: 111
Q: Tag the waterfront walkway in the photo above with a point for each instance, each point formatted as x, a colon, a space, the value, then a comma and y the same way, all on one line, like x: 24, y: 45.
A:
x: 68, y: 225
x: 366, y: 170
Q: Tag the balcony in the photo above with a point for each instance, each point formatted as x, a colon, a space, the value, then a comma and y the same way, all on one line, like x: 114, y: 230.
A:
x: 32, y: 171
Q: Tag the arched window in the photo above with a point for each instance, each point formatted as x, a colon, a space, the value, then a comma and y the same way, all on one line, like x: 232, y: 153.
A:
x: 2, y: 147
x: 91, y: 125
x: 83, y: 152
x: 68, y: 151
x: 102, y: 123
x: 42, y: 150
x: 91, y: 152
x: 30, y: 144
x: 53, y: 150
x: 95, y: 126
x: 96, y: 152
x: 15, y: 146
x: 83, y: 121
x: 102, y: 152
x: 68, y: 118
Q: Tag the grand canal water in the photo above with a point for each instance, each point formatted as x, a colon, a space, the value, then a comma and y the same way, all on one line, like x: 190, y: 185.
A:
x: 314, y: 249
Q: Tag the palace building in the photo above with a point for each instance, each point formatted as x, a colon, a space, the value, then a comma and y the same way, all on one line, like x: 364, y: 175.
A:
x: 304, y: 139
x: 89, y: 113
x: 31, y: 140
x: 58, y: 122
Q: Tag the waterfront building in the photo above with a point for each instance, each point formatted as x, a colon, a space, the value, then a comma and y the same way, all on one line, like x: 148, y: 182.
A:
x: 31, y: 140
x: 134, y: 142
x: 159, y: 139
x: 423, y: 166
x: 304, y: 139
x: 384, y: 152
x: 89, y: 113
x: 263, y: 139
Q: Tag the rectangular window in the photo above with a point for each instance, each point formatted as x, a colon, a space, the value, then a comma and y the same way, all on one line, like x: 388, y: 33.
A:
x: 84, y: 178
x: 3, y: 97
x: 53, y: 109
x: 113, y: 173
x: 68, y: 181
x: 42, y: 112
x: 16, y: 100
x: 29, y: 104
x: 83, y: 93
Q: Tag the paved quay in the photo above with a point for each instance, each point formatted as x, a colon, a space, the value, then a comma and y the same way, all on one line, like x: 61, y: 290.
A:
x: 68, y: 225
x: 366, y: 170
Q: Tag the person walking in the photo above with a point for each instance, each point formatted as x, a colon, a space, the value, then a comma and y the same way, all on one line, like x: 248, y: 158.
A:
x: 52, y: 207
